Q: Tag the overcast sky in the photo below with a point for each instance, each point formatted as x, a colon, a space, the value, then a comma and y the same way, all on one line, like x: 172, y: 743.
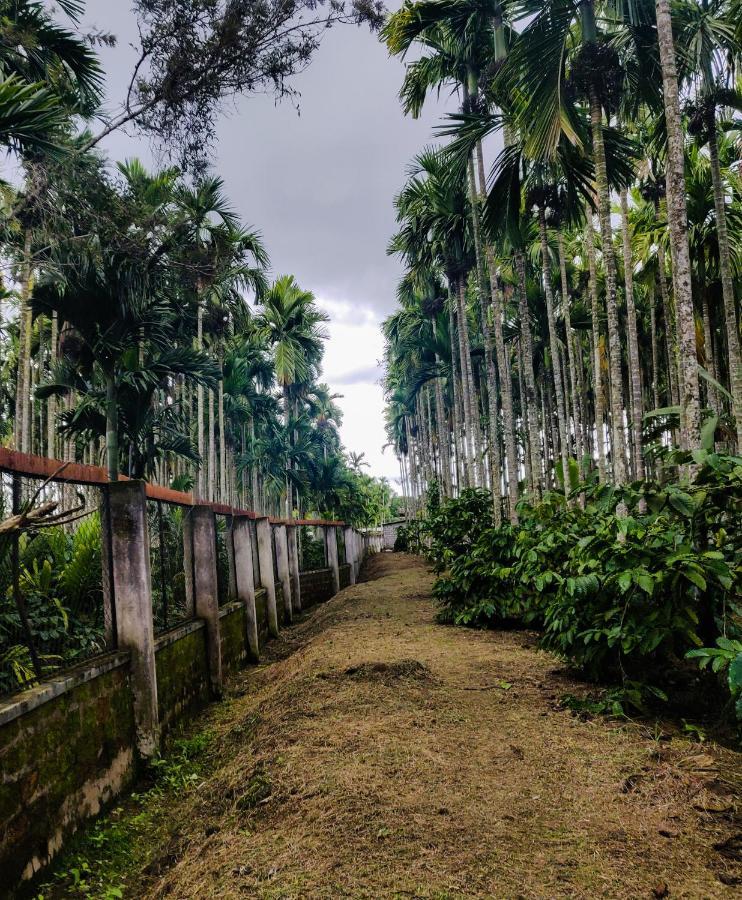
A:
x: 319, y: 184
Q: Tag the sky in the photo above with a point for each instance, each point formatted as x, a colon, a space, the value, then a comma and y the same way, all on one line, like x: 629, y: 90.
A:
x: 319, y: 184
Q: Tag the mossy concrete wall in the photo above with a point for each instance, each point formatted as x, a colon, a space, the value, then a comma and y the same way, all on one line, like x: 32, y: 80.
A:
x: 233, y: 636
x: 182, y: 672
x: 66, y: 749
x: 68, y: 746
x: 316, y: 586
x: 344, y: 576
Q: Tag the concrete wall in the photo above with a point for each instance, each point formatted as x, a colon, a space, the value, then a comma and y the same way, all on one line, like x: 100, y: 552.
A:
x: 72, y: 744
x: 344, y: 576
x: 66, y: 750
x: 316, y: 586
x: 390, y: 533
x: 232, y: 626
x: 182, y: 673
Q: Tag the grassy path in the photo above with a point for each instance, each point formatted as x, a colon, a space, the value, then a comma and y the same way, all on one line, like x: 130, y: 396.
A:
x: 381, y: 755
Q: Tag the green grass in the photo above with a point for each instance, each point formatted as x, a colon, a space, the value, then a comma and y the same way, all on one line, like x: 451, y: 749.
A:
x: 97, y: 861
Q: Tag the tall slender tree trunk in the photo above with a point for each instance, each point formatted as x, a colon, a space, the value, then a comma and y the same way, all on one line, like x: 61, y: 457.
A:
x: 200, y: 472
x: 554, y: 348
x: 443, y: 444
x: 112, y: 429
x: 470, y: 396
x: 637, y: 410
x: 653, y: 339
x: 466, y: 398
x: 677, y: 217
x: 526, y: 336
x: 51, y: 403
x: 222, y: 432
x: 611, y: 300
x: 23, y: 379
x: 460, y: 459
x: 670, y: 331
x: 597, y: 373
x: 212, y: 447
x: 524, y: 416
x: 576, y: 418
x: 727, y: 281
x: 443, y: 438
x: 713, y: 399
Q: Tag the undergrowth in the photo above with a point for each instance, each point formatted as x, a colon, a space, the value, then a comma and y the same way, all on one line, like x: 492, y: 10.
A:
x: 96, y: 862
x: 633, y: 586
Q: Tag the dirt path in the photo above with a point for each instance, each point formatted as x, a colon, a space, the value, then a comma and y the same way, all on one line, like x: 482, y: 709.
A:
x: 382, y: 755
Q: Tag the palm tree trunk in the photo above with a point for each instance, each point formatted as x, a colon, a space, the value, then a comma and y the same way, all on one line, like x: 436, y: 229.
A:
x: 670, y: 331
x: 554, y: 348
x: 465, y: 388
x: 443, y: 446
x: 576, y: 419
x: 200, y: 473
x: 506, y: 391
x: 112, y: 430
x: 677, y: 217
x: 611, y: 302
x: 461, y: 466
x: 597, y: 373
x: 531, y: 411
x: 51, y: 403
x: 727, y: 282
x: 25, y: 324
x: 222, y: 432
x: 637, y: 411
x: 713, y: 399
x: 653, y: 339
x: 523, y: 415
x: 471, y: 402
x: 212, y: 448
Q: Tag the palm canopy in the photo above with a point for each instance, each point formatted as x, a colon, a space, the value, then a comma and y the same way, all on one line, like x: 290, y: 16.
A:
x: 292, y: 323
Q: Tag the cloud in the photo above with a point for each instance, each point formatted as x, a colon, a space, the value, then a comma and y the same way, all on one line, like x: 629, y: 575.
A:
x: 364, y: 375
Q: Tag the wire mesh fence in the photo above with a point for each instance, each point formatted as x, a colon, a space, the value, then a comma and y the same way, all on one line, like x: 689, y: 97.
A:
x: 253, y: 526
x: 170, y: 602
x: 311, y: 549
x: 225, y: 575
x: 56, y: 604
x: 340, y: 538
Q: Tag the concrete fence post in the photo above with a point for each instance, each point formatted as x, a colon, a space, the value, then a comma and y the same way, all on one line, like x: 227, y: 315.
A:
x: 284, y: 572
x: 245, y: 580
x: 350, y: 552
x: 265, y: 555
x: 293, y: 540
x: 206, y: 586
x: 331, y: 543
x: 133, y: 597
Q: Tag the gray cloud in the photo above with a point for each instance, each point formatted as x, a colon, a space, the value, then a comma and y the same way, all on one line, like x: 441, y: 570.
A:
x: 318, y: 184
x: 362, y: 375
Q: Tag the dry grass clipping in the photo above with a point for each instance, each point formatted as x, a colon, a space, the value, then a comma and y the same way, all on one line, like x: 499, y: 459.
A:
x: 378, y: 754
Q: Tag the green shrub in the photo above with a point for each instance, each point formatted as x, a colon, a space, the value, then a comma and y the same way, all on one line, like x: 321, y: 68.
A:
x: 622, y: 582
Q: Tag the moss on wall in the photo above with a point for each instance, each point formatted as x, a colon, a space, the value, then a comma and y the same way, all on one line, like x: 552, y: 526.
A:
x: 182, y: 677
x: 344, y: 576
x: 316, y: 586
x: 234, y: 646
x: 61, y: 763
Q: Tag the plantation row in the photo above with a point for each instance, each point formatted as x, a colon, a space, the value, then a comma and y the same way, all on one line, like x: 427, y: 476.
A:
x: 638, y: 587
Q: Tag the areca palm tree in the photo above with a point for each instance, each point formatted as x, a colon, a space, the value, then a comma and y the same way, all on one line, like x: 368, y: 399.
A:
x: 222, y: 258
x: 110, y: 299
x: 293, y: 325
x: 707, y: 41
x: 48, y: 74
